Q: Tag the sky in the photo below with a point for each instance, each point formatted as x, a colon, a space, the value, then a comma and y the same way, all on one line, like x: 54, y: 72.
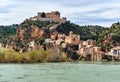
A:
x: 82, y: 12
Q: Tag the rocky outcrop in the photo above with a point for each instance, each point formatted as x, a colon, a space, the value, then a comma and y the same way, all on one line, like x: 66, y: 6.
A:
x: 54, y: 27
x: 20, y: 33
x: 37, y: 32
x: 30, y: 33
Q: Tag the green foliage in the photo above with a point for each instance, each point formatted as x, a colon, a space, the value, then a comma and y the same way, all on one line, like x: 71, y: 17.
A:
x: 56, y: 55
x: 86, y: 32
x: 7, y: 31
x: 112, y: 33
x: 28, y: 23
x: 11, y: 56
x: 112, y: 36
x: 43, y: 15
x: 116, y: 37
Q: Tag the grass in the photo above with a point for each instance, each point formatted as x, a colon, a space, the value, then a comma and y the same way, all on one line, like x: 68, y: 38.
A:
x: 56, y: 55
x: 11, y: 56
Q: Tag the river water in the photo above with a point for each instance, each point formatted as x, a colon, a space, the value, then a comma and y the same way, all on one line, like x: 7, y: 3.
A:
x: 61, y: 72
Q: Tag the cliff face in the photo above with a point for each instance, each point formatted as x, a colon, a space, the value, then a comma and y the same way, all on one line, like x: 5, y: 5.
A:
x: 20, y: 33
x: 30, y: 29
x: 32, y: 32
x: 37, y: 32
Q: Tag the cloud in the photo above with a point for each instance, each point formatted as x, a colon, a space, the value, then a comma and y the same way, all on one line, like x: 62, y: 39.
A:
x: 82, y: 12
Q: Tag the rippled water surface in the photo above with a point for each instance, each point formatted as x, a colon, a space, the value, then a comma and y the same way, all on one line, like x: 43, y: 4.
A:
x: 61, y: 72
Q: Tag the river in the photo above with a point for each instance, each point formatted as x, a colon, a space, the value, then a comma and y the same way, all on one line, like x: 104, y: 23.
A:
x: 61, y: 72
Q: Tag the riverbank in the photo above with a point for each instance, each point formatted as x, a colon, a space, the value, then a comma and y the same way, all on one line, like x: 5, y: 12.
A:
x: 36, y: 56
x: 51, y: 55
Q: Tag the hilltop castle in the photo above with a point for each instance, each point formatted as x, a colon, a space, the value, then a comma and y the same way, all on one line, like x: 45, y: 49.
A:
x: 53, y: 16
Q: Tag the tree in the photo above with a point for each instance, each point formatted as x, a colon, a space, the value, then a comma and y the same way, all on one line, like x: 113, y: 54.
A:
x: 43, y: 15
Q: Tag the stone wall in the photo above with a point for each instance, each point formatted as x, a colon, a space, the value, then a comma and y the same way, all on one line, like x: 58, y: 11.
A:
x: 50, y: 16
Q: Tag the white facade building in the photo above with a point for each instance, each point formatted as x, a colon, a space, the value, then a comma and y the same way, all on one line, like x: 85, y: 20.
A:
x: 115, y: 51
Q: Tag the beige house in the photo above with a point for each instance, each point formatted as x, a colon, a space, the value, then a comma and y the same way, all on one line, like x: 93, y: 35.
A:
x: 68, y: 39
x: 72, y: 38
x: 96, y: 49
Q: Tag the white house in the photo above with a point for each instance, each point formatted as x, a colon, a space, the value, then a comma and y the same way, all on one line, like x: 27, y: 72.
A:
x: 32, y: 44
x: 47, y: 41
x: 115, y: 51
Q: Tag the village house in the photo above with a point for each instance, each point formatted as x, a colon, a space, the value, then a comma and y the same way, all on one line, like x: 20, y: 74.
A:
x: 97, y: 49
x: 87, y: 49
x: 115, y: 51
x: 32, y: 45
x: 87, y: 46
x: 72, y: 38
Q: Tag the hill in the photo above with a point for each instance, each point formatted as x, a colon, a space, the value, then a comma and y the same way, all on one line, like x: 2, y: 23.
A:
x: 86, y: 32
x: 7, y: 32
x: 109, y: 37
x: 40, y: 27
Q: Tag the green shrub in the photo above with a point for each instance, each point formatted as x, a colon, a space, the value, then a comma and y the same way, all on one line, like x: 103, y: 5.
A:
x: 11, y: 56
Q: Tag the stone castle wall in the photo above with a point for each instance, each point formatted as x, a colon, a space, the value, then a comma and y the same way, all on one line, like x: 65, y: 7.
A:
x: 50, y: 16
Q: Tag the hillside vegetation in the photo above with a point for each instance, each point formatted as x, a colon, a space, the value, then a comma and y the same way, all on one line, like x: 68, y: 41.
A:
x: 7, y: 32
x: 98, y: 33
x: 86, y: 32
x: 109, y: 36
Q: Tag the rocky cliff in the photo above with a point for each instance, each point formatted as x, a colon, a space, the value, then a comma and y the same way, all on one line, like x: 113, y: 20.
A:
x: 32, y: 32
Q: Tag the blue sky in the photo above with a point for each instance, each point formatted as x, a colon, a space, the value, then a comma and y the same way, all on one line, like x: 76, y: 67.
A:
x: 82, y: 12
